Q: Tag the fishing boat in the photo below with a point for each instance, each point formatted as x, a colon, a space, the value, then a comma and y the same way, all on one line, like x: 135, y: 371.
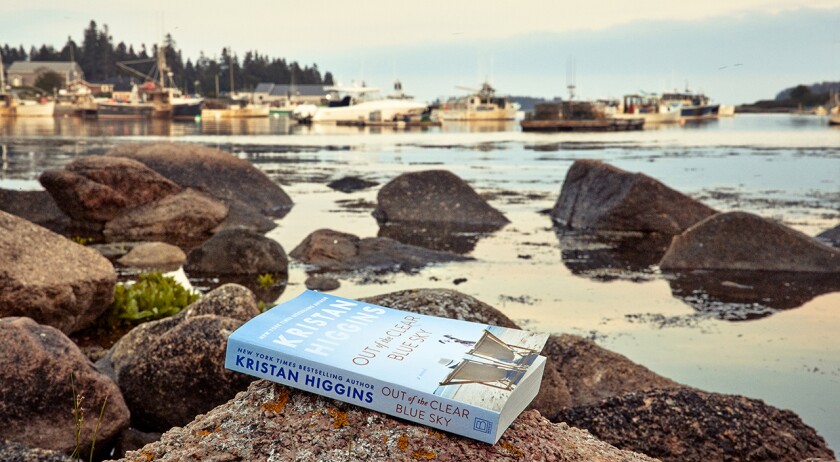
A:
x: 361, y: 104
x: 692, y: 106
x: 76, y: 101
x: 648, y: 107
x: 147, y: 101
x: 238, y: 108
x: 184, y: 107
x: 482, y: 104
x: 576, y: 116
x: 33, y: 107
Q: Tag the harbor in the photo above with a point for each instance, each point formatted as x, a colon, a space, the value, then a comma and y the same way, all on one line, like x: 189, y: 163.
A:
x: 653, y: 189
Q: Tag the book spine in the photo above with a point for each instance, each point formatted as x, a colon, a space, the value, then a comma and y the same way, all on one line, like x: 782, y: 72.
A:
x: 362, y: 390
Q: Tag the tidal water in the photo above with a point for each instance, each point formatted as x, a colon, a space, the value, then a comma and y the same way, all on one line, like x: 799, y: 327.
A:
x: 766, y: 336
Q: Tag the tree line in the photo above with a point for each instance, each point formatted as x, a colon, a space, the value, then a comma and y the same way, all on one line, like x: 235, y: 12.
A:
x: 98, y: 57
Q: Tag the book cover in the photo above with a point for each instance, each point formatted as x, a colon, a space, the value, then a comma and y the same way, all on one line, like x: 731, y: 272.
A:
x: 462, y: 377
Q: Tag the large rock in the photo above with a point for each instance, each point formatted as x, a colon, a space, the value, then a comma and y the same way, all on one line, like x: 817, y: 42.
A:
x: 350, y: 184
x: 219, y: 174
x: 743, y: 241
x: 154, y: 255
x: 98, y: 188
x: 51, y: 279
x: 35, y: 206
x: 39, y: 369
x: 830, y: 236
x: 593, y: 373
x: 173, y: 369
x: 596, y: 195
x: 688, y: 425
x: 16, y: 452
x: 188, y: 216
x: 444, y: 303
x: 434, y: 196
x: 238, y: 251
x: 271, y: 422
x: 330, y: 250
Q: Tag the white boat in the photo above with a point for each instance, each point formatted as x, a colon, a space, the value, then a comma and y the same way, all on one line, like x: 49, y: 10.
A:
x: 483, y: 104
x: 33, y: 108
x: 834, y: 112
x: 239, y: 109
x: 362, y: 104
x: 834, y: 116
x: 648, y: 107
x: 693, y: 106
x: 726, y: 110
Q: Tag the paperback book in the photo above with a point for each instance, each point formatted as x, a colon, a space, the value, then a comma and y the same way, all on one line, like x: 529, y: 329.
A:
x: 462, y: 377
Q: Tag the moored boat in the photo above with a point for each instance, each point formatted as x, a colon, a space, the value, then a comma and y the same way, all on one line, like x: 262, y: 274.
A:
x: 648, y: 107
x: 236, y: 109
x: 148, y: 101
x: 834, y: 116
x: 692, y: 106
x: 363, y: 104
x: 576, y: 116
x: 726, y: 110
x: 483, y: 104
x: 34, y: 108
x: 185, y: 107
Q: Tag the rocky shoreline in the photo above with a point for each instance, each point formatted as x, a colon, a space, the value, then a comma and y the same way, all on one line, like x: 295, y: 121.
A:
x: 208, y: 211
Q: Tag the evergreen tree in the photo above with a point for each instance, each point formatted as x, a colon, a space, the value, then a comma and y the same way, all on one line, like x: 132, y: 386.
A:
x: 98, y: 57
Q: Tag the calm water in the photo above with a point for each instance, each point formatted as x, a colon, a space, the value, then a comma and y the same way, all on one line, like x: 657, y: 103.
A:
x: 778, y: 166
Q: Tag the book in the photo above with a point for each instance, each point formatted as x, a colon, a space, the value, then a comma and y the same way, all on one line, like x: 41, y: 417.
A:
x: 461, y: 377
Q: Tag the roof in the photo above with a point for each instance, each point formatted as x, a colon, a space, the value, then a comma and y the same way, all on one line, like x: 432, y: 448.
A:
x: 41, y: 66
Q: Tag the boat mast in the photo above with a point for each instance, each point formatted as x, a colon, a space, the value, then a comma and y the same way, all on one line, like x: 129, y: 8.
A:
x: 2, y: 77
x: 161, y: 65
x: 230, y: 63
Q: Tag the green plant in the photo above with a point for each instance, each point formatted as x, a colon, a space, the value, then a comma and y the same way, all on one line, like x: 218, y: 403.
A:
x: 78, y: 419
x: 153, y: 296
x: 81, y: 240
x: 265, y: 281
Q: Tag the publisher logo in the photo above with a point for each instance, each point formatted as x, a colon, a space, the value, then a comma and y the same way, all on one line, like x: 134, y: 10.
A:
x: 483, y: 426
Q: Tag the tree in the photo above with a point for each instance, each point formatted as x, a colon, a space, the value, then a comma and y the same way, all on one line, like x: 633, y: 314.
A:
x: 70, y: 52
x: 90, y: 51
x: 800, y: 93
x: 49, y: 81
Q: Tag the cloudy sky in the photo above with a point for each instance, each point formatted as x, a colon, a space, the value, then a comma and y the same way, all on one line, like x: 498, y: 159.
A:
x: 735, y: 50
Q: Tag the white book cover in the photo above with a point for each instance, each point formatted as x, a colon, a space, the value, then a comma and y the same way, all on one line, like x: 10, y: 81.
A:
x: 466, y: 378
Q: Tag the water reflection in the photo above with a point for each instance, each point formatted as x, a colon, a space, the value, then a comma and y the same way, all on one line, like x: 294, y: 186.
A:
x: 79, y: 127
x: 460, y: 239
x: 607, y: 256
x: 746, y: 295
x: 480, y: 126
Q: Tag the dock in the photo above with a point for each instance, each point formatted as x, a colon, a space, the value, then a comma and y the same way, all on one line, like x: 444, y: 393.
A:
x: 598, y: 125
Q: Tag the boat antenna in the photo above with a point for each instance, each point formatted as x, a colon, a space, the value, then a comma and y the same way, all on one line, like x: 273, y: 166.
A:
x: 570, y: 78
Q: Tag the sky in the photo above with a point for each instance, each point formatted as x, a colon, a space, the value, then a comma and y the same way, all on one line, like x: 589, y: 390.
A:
x: 734, y: 50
